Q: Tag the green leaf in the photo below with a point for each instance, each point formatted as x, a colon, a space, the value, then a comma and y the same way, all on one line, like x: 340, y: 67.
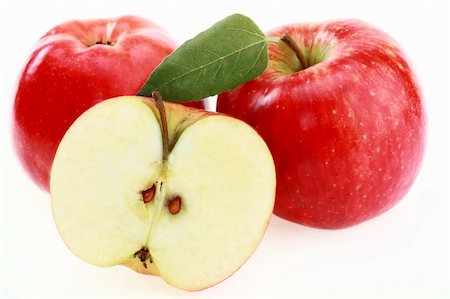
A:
x: 230, y: 53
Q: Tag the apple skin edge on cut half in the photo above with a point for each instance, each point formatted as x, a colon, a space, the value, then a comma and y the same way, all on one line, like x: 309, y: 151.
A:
x: 192, y: 218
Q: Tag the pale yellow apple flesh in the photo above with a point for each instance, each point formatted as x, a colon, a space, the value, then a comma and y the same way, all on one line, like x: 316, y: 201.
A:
x: 219, y: 168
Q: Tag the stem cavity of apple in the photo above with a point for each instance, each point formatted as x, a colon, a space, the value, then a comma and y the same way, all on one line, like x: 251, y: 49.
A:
x: 286, y: 38
x: 106, y: 43
x: 101, y: 42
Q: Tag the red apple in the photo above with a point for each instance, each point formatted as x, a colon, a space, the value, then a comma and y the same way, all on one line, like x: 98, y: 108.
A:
x: 346, y: 130
x: 74, y: 66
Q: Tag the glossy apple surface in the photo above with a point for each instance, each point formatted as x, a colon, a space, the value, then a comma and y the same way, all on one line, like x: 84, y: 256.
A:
x: 347, y: 132
x: 72, y: 67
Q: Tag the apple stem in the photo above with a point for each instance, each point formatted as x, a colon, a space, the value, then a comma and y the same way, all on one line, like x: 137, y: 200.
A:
x: 293, y: 45
x: 162, y: 113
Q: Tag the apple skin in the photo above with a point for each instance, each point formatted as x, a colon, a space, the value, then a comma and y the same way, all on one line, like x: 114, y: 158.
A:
x: 68, y: 72
x: 347, y: 134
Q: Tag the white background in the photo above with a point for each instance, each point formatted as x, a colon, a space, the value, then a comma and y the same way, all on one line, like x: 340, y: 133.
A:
x: 401, y: 254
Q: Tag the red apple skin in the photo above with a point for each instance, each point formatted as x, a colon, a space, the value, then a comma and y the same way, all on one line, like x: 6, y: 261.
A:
x: 347, y: 134
x: 68, y: 72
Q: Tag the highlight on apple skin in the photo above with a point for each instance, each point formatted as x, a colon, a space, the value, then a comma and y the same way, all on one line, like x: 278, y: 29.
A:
x: 163, y: 191
x: 346, y: 130
x: 72, y: 67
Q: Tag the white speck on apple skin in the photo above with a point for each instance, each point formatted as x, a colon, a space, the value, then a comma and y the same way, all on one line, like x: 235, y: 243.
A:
x: 268, y: 96
x: 307, y: 121
x: 390, y: 53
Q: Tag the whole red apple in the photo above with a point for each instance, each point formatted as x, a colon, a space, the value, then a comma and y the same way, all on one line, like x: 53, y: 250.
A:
x: 72, y: 67
x: 346, y: 130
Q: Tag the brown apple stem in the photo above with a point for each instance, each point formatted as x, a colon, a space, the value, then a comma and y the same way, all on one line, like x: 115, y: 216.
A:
x: 162, y: 113
x: 293, y: 45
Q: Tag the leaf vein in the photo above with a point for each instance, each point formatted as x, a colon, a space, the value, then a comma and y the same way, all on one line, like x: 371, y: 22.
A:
x: 246, y: 31
x: 214, y: 61
x: 215, y: 76
x: 254, y: 64
x: 202, y: 49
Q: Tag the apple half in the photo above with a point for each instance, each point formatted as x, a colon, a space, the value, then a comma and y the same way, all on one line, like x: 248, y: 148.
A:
x: 192, y: 216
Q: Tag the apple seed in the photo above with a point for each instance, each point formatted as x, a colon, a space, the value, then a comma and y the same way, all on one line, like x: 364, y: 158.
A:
x: 175, y: 205
x: 147, y: 195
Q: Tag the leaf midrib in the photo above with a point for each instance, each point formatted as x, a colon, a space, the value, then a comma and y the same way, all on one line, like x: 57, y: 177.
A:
x: 210, y: 63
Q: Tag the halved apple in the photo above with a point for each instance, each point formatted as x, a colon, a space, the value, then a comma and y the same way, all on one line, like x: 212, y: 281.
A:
x: 191, y: 210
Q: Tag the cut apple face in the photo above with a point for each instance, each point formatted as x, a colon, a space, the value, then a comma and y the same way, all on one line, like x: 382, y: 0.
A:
x: 193, y: 217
